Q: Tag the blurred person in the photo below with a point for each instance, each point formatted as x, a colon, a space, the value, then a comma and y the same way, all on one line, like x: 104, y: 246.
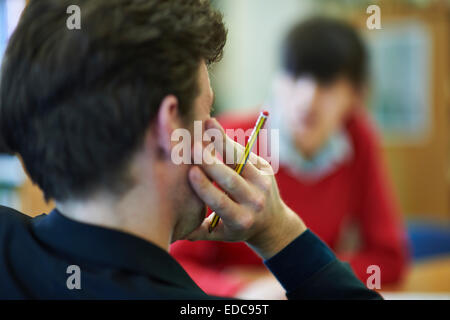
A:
x: 91, y: 112
x: 331, y: 171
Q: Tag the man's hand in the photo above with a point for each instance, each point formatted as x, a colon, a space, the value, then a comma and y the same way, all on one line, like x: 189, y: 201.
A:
x: 249, y: 206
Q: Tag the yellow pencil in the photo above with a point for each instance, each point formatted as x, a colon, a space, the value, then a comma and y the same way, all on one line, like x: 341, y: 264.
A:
x: 244, y: 158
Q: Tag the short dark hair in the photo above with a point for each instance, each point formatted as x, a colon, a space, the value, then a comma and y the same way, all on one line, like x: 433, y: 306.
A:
x: 325, y: 48
x: 75, y: 104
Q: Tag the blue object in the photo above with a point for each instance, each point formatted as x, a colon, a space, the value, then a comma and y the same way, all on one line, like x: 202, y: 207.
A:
x: 428, y: 239
x: 3, y: 27
x: 11, y: 172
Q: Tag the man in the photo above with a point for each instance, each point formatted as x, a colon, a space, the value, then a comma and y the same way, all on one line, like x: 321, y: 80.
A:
x: 91, y: 112
x: 331, y: 172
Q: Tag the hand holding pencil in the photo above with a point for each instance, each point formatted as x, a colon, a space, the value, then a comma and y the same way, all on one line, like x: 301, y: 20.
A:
x: 249, y: 206
x: 244, y: 157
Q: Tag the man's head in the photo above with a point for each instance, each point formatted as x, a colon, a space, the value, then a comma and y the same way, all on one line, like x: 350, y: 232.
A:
x: 91, y: 111
x: 324, y: 62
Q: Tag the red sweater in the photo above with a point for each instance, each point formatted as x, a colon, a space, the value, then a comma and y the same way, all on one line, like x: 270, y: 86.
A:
x: 356, y: 192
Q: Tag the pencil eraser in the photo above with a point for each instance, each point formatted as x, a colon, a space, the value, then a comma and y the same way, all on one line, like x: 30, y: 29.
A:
x: 266, y: 113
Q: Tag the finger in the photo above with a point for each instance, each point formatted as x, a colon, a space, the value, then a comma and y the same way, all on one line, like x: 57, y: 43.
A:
x: 222, y: 143
x: 224, y: 176
x: 202, y: 232
x: 216, y: 199
x: 230, y: 150
x: 251, y: 173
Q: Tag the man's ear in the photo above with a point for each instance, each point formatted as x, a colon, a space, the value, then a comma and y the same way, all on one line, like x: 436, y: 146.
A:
x: 167, y: 120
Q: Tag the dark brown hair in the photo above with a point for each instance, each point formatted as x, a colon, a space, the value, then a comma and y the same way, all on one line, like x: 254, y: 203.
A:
x: 75, y: 103
x: 325, y: 48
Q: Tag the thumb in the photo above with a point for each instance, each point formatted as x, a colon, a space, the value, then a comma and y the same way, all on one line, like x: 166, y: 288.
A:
x: 202, y: 232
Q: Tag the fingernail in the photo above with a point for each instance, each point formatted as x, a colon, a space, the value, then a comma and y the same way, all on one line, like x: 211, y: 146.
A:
x: 209, y: 123
x: 194, y: 173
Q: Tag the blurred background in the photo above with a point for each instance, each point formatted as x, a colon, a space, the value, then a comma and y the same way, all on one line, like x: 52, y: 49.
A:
x: 409, y: 101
